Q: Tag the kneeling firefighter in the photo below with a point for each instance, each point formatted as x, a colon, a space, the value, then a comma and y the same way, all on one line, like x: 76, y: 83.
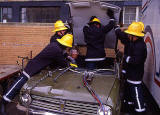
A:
x: 135, y: 53
x: 53, y: 52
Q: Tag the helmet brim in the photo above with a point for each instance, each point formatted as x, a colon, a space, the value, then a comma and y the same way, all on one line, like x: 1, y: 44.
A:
x: 63, y: 43
x: 94, y: 22
x: 135, y: 34
x: 56, y: 30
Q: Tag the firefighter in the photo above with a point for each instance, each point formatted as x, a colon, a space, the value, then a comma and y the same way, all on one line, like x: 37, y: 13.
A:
x: 125, y: 50
x: 59, y: 29
x: 123, y: 72
x: 94, y: 35
x: 53, y: 52
x: 135, y: 53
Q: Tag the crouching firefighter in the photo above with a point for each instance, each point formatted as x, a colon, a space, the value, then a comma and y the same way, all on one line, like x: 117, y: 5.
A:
x: 135, y: 53
x: 52, y: 53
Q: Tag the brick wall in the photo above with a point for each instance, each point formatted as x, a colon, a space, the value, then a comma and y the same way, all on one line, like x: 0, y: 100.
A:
x: 21, y: 39
x: 17, y: 39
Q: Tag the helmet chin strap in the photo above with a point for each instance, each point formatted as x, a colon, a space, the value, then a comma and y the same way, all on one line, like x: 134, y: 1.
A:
x: 62, y: 34
x: 59, y: 33
x: 132, y: 38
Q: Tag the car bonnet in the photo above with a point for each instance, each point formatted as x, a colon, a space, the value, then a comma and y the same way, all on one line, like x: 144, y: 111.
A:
x: 70, y: 86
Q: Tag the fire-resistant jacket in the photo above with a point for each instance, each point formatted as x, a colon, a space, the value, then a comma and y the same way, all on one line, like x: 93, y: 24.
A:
x: 54, y: 37
x: 136, y: 52
x: 94, y: 37
x: 52, y: 53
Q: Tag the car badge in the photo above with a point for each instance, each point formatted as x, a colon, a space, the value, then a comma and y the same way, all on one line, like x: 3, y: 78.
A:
x: 62, y: 105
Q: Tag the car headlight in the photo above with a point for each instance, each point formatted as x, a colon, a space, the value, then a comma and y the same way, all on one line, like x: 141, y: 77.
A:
x: 107, y: 110
x: 25, y: 99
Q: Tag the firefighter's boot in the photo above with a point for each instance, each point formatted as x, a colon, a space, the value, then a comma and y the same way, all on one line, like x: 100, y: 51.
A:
x: 16, y: 86
x: 3, y: 104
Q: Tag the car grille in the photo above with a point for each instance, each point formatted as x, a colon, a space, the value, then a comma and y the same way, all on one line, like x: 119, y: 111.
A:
x: 62, y: 106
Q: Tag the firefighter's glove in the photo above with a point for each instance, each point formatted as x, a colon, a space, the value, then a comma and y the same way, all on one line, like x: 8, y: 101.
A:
x: 72, y: 60
x: 110, y: 13
x: 73, y: 65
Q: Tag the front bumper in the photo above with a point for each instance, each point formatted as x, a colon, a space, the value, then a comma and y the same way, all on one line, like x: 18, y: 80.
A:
x: 34, y: 112
x: 39, y: 112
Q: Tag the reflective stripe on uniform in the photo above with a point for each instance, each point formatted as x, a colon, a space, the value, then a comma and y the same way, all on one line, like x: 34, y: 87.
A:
x: 118, y: 27
x: 13, y: 86
x: 26, y: 74
x: 127, y: 60
x: 137, y: 98
x: 6, y: 99
x: 134, y: 82
x: 130, y: 103
x: 95, y: 59
x: 111, y: 19
x: 140, y: 109
x: 123, y: 71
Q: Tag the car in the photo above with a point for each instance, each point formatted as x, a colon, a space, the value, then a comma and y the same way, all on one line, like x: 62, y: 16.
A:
x: 77, y: 91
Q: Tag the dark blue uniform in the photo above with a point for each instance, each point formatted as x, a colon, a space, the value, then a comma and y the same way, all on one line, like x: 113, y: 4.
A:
x: 135, y: 53
x: 52, y: 53
x: 54, y: 37
x: 94, y: 37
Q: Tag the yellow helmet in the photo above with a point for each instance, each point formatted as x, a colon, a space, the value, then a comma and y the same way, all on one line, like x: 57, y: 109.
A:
x: 142, y: 25
x: 66, y: 40
x: 58, y: 26
x: 95, y: 20
x: 135, y: 29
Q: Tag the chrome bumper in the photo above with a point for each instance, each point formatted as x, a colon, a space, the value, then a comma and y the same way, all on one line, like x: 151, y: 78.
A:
x: 38, y: 112
x: 35, y: 112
